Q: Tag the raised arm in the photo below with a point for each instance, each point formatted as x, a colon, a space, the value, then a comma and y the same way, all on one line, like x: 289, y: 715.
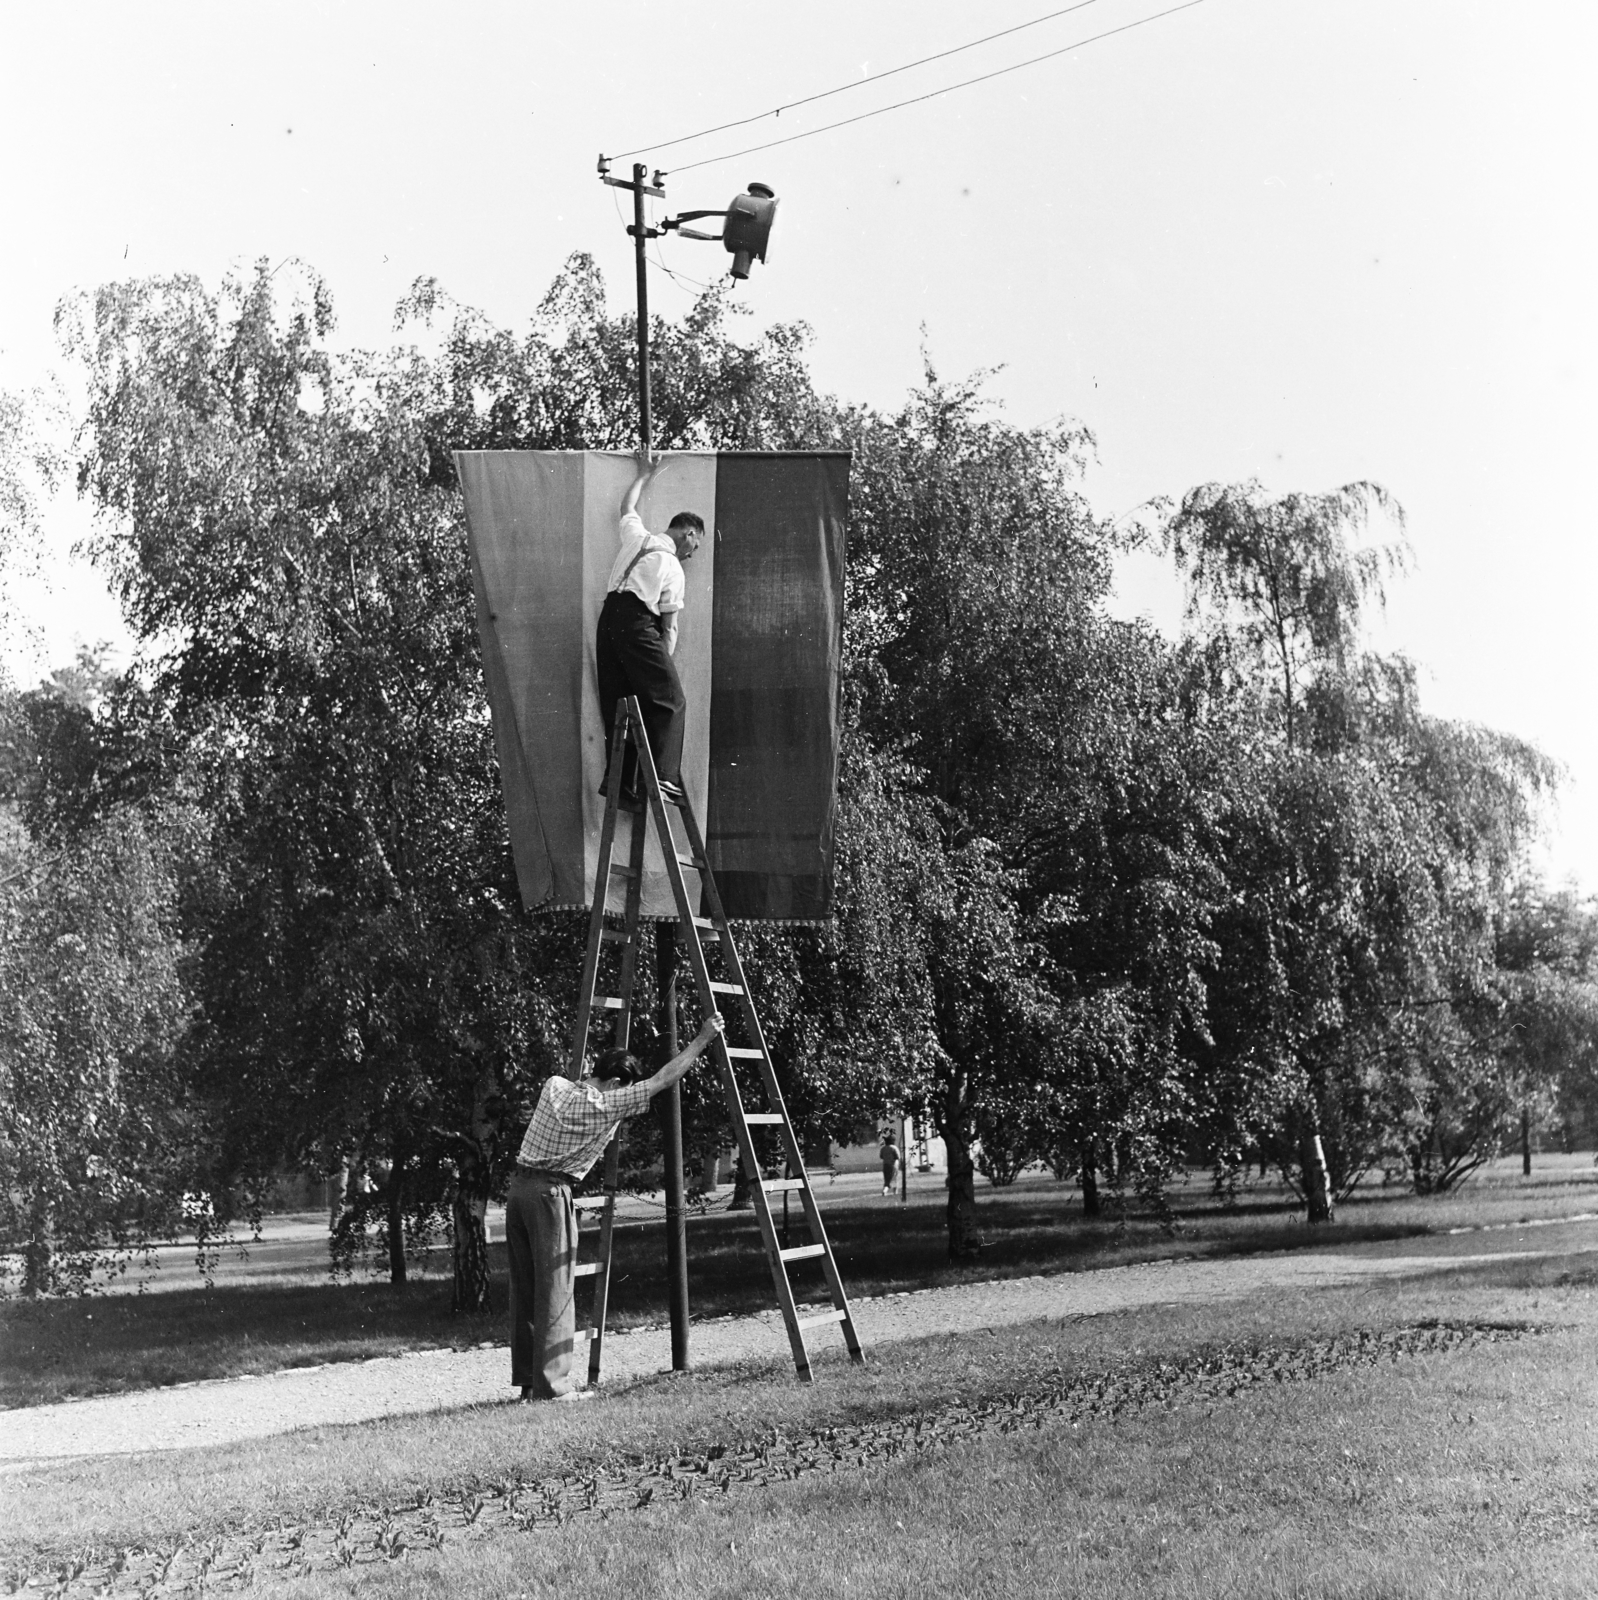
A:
x: 646, y: 470
x: 679, y: 1064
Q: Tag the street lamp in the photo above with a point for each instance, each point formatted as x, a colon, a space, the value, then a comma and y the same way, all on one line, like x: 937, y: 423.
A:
x: 745, y: 234
x: 748, y: 227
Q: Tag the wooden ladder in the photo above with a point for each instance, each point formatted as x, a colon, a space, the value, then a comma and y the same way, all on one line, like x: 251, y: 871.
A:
x: 698, y: 932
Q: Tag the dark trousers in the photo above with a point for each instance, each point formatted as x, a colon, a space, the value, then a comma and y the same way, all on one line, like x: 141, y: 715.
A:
x: 633, y: 659
x: 541, y: 1233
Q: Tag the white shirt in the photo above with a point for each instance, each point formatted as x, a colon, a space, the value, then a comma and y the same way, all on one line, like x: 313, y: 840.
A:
x: 658, y: 579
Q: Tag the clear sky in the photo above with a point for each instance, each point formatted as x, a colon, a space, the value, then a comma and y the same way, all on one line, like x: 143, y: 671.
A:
x: 1301, y: 240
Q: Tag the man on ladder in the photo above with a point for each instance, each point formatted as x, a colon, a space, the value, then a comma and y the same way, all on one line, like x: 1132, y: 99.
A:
x: 569, y: 1130
x: 637, y: 637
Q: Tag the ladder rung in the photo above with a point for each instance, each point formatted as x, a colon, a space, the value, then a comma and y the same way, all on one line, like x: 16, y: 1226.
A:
x: 589, y: 1268
x: 704, y: 922
x: 590, y: 1200
x: 688, y: 861
x: 781, y: 1185
x: 613, y: 935
x: 764, y: 1117
x: 622, y: 868
x: 822, y: 1316
x: 800, y: 1252
x: 745, y: 1053
x: 611, y: 1002
x: 726, y: 988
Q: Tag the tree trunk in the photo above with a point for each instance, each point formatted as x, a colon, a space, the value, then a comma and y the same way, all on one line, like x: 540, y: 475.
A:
x: 964, y: 1240
x: 338, y: 1186
x: 36, y: 1252
x: 1091, y: 1205
x: 743, y: 1198
x: 955, y: 1126
x: 396, y: 1221
x: 1317, y: 1184
x: 469, y: 1208
x: 468, y: 1224
x: 1525, y: 1142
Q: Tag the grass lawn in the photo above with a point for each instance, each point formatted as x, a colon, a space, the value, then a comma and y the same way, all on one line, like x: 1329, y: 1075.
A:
x: 278, y: 1308
x: 1468, y: 1475
x: 1471, y: 1475
x: 1461, y: 1473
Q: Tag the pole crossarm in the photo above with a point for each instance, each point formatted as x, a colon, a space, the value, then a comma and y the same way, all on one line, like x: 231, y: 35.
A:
x: 636, y: 183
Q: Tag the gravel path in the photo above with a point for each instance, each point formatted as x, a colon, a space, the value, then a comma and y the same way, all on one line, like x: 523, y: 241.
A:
x: 226, y: 1410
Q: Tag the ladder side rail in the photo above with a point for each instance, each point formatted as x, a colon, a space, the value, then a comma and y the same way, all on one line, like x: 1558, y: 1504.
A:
x: 627, y: 981
x: 596, y: 919
x: 735, y: 974
x: 600, y: 1305
x: 627, y: 975
x: 746, y: 1147
x: 763, y: 1218
x: 795, y: 1157
x: 829, y: 1266
x: 756, y: 1034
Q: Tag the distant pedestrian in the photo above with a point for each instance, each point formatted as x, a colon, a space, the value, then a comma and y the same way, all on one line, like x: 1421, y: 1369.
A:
x: 889, y: 1156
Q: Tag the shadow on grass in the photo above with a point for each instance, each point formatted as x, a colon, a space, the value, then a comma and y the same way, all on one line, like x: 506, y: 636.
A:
x: 280, y: 1309
x: 54, y: 1350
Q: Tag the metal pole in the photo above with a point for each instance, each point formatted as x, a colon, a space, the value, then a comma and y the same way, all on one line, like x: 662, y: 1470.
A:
x: 645, y: 422
x: 671, y: 1118
x: 905, y: 1127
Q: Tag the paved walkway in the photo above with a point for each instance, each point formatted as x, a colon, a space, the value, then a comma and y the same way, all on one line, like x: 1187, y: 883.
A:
x: 226, y: 1410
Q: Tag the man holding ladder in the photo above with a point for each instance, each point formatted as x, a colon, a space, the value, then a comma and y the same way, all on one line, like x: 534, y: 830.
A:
x: 568, y: 1133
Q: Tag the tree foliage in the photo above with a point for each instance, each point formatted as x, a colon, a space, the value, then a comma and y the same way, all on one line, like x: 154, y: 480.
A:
x: 1104, y: 900
x: 98, y: 1136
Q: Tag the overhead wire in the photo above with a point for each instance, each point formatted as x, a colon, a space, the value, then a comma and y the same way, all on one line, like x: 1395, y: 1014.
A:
x: 858, y: 83
x: 933, y: 94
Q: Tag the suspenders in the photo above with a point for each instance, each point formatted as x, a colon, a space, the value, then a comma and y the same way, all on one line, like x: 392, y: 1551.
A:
x: 645, y: 551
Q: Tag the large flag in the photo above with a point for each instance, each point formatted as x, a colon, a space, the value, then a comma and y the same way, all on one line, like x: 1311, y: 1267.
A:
x: 758, y: 653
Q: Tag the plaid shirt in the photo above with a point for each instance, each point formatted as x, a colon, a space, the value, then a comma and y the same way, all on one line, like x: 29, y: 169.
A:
x: 573, y: 1122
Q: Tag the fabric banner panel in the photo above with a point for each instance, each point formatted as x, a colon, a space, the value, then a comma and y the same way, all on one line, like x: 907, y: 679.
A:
x: 522, y: 511
x: 778, y: 627
x: 757, y: 654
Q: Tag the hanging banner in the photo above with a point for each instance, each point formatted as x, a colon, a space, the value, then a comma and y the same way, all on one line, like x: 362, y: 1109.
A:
x: 759, y: 642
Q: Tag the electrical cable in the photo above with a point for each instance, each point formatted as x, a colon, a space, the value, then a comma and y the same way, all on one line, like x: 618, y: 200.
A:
x: 679, y: 279
x: 860, y: 83
x: 899, y: 105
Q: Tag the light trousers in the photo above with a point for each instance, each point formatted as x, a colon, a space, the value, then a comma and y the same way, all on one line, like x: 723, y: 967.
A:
x: 541, y: 1232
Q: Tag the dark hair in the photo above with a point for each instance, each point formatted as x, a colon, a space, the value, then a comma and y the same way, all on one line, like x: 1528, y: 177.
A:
x: 688, y: 519
x: 619, y: 1063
